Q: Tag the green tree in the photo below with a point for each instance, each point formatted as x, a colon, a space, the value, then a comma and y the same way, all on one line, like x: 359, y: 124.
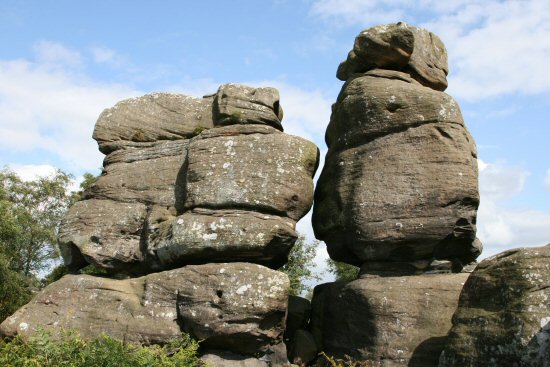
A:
x: 299, y: 267
x: 342, y: 271
x: 15, y: 289
x: 31, y: 212
x: 88, y: 180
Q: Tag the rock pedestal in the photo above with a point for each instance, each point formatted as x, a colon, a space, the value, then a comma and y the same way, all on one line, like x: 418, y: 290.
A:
x: 397, y: 196
x: 196, y: 196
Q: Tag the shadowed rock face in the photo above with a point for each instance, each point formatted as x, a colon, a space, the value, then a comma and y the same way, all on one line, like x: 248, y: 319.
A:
x: 237, y: 307
x: 187, y: 182
x: 389, y: 321
x: 503, y: 315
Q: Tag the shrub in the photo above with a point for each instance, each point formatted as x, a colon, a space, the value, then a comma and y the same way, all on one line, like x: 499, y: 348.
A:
x: 103, y: 351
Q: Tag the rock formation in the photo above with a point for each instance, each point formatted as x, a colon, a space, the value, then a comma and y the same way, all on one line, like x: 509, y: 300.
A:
x: 503, y: 315
x: 397, y: 196
x: 196, y: 196
x: 400, y: 176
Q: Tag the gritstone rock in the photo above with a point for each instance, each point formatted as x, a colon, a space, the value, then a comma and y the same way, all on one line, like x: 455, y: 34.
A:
x: 238, y: 307
x: 268, y: 172
x: 503, y: 315
x: 400, y: 176
x: 240, y: 104
x: 151, y: 118
x: 401, y: 47
x: 389, y: 321
x: 180, y: 187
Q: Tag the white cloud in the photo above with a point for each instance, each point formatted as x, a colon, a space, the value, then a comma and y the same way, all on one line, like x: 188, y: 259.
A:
x: 499, y: 181
x: 501, y: 227
x: 53, y: 109
x: 359, y: 11
x: 495, y: 48
x: 102, y: 54
x: 55, y: 55
x: 31, y: 172
x: 547, y: 180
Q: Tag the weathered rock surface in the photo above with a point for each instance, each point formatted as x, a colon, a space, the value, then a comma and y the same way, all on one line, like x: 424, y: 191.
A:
x: 399, y: 47
x: 275, y: 356
x: 266, y: 172
x: 102, y: 232
x: 150, y: 118
x: 503, y: 315
x: 400, y: 176
x: 389, y: 321
x: 222, y: 236
x: 303, y: 348
x: 237, y: 307
x: 240, y: 104
x: 147, y: 175
x: 258, y: 177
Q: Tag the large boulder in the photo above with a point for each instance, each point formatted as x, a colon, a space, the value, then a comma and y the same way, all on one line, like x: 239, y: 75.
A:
x: 400, y: 177
x: 204, y: 235
x: 503, y: 315
x: 150, y: 118
x: 251, y: 168
x: 105, y: 233
x: 146, y: 174
x: 400, y: 47
x: 180, y: 187
x: 240, y: 104
x: 237, y: 307
x: 388, y: 321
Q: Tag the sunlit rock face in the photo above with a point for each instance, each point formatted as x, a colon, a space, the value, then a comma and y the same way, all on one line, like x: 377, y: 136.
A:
x: 400, y: 176
x: 238, y: 307
x: 398, y: 196
x: 192, y: 181
x: 196, y: 205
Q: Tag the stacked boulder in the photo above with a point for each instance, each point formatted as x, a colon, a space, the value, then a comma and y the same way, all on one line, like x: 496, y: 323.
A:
x: 398, y: 196
x: 197, y: 203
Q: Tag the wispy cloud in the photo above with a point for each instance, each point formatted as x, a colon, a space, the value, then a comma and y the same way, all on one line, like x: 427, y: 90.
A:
x: 50, y: 103
x: 547, y: 180
x: 501, y: 227
x: 495, y: 48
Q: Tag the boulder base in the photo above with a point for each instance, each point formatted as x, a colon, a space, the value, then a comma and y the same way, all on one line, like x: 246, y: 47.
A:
x: 237, y: 307
x: 503, y: 315
x: 388, y: 321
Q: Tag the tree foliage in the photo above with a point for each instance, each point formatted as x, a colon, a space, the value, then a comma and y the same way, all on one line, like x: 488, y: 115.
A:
x: 342, y: 271
x: 299, y: 267
x: 15, y: 289
x: 31, y: 212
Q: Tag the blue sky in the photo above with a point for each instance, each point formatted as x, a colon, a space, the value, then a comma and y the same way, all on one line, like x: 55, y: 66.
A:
x: 63, y: 62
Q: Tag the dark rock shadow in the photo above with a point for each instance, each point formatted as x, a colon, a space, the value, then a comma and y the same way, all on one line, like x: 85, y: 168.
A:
x: 427, y: 353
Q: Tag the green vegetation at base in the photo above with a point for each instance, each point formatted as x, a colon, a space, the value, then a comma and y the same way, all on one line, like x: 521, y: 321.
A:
x: 347, y: 362
x: 103, y: 351
x: 15, y: 289
x: 342, y: 271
